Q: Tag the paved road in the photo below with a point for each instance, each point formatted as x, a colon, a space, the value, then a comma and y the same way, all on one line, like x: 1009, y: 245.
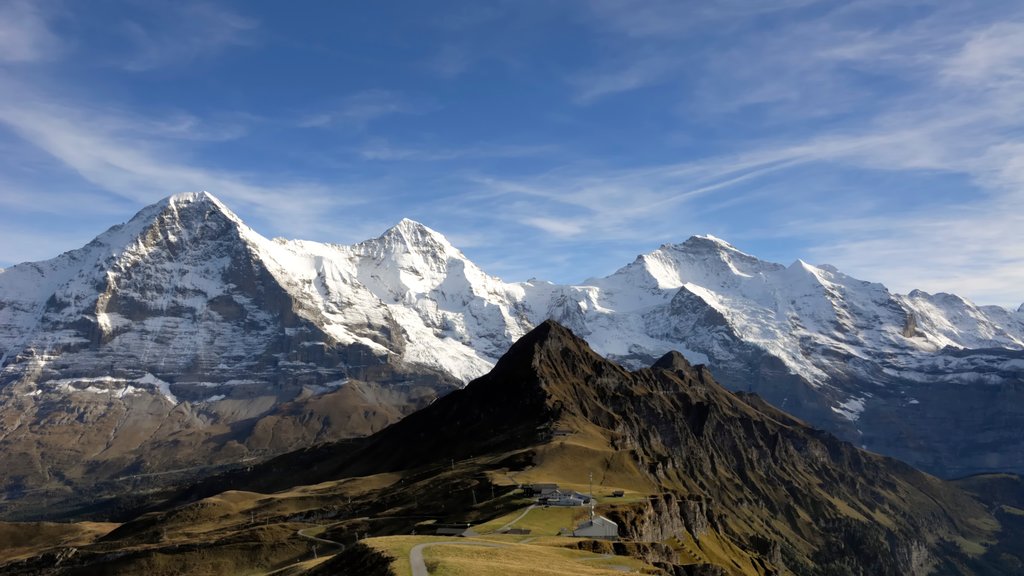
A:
x: 302, y: 534
x: 419, y: 568
x: 315, y: 539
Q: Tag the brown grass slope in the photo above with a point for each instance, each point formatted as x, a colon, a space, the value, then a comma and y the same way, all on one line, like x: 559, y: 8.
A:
x: 722, y: 483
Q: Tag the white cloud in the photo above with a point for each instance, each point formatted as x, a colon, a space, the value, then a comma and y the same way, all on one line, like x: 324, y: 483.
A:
x: 175, y: 33
x: 994, y: 55
x: 669, y: 18
x: 635, y: 73
x: 383, y: 150
x: 362, y: 108
x: 25, y: 36
x: 975, y: 251
x: 141, y: 163
x: 937, y: 90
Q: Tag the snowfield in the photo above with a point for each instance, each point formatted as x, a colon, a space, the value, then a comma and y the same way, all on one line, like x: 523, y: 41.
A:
x: 165, y: 294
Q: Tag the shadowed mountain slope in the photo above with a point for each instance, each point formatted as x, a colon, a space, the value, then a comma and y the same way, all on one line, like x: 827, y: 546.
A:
x: 183, y: 338
x: 732, y: 484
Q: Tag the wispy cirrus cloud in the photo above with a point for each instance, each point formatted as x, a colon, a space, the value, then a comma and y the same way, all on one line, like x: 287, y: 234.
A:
x: 361, y: 108
x: 141, y: 161
x: 879, y: 135
x: 666, y: 18
x: 178, y: 33
x: 25, y: 35
x: 853, y: 86
x: 380, y: 149
x: 638, y: 71
x: 144, y: 35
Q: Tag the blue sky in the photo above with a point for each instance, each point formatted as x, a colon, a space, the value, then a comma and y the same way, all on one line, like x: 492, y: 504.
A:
x: 546, y: 139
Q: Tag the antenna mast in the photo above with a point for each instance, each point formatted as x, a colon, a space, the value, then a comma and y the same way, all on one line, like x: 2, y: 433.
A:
x: 591, y: 497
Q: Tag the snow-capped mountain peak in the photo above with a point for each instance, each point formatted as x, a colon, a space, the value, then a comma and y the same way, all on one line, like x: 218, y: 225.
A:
x: 702, y: 260
x: 186, y: 294
x: 413, y: 236
x: 409, y: 258
x: 708, y: 239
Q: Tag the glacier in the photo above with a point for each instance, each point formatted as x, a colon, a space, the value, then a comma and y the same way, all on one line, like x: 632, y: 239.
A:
x: 187, y: 301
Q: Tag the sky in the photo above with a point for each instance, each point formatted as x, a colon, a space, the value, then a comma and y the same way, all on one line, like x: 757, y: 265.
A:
x: 554, y: 140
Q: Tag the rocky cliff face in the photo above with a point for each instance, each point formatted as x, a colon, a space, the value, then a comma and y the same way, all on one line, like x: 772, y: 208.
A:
x: 184, y: 325
x: 844, y: 354
x: 738, y: 472
x: 173, y: 342
x: 730, y: 485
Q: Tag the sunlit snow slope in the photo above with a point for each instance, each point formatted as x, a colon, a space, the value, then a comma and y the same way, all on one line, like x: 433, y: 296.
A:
x: 189, y: 302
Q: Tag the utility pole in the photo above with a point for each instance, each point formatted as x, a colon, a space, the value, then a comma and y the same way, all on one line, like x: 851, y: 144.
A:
x: 591, y: 497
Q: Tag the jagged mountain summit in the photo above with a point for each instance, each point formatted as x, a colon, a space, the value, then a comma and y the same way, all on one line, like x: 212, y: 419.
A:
x: 184, y: 336
x: 707, y: 482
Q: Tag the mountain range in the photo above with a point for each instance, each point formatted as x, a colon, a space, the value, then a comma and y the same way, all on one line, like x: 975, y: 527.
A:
x: 184, y: 339
x: 696, y: 480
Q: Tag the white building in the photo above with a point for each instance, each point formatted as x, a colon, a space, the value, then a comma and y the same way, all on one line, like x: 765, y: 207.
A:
x: 566, y: 500
x: 559, y: 498
x: 597, y: 527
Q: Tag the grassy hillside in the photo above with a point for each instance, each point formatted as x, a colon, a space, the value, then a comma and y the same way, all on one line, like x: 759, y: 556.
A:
x: 715, y: 483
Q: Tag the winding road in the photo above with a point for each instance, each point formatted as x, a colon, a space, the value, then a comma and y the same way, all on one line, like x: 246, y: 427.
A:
x: 419, y: 568
x: 517, y: 518
x: 315, y: 539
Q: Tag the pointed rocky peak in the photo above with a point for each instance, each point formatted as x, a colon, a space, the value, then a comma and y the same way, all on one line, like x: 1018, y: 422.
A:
x: 802, y: 268
x: 703, y: 260
x: 707, y: 241
x: 193, y: 208
x: 183, y: 220
x: 1020, y: 309
x: 801, y: 272
x: 410, y: 226
x: 412, y: 258
x: 416, y: 236
x: 509, y: 407
x: 412, y: 245
x: 673, y: 361
x: 549, y: 341
x: 706, y: 245
x: 201, y: 201
x: 175, y: 222
x: 549, y: 364
x: 709, y: 248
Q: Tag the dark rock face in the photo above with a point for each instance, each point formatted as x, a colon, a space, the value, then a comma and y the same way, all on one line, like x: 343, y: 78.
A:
x: 182, y: 339
x: 736, y: 485
x: 731, y: 469
x: 979, y: 422
x: 905, y: 413
x: 179, y: 349
x: 749, y: 462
